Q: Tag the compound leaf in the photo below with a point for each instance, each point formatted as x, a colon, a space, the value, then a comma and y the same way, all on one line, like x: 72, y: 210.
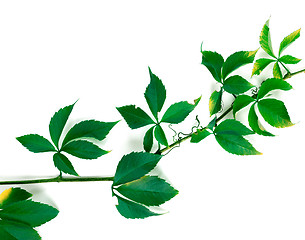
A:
x: 274, y: 112
x: 28, y: 212
x: 240, y: 102
x: 58, y: 122
x: 148, y: 190
x: 215, y: 102
x: 260, y: 65
x: 83, y: 149
x: 236, y: 60
x: 265, y: 39
x: 12, y: 195
x: 273, y: 84
x: 135, y: 116
x: 177, y: 112
x: 155, y: 94
x: 36, y: 143
x: 288, y: 40
x: 89, y: 129
x: 134, y: 166
x: 133, y: 210
x: 255, y: 124
x: 160, y: 135
x: 236, y: 144
x: 287, y: 59
x: 148, y: 139
x: 213, y: 61
x: 236, y: 85
x: 63, y: 164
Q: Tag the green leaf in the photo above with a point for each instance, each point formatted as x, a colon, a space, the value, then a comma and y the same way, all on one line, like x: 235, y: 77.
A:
x: 83, y: 149
x: 63, y: 164
x: 177, y: 112
x: 265, y: 39
x: 10, y: 230
x: 215, y: 102
x: 148, y: 190
x: 255, y: 124
x: 213, y: 61
x: 89, y: 129
x: 288, y: 40
x: 58, y: 122
x: 260, y: 65
x: 236, y: 85
x: 272, y: 84
x: 236, y: 60
x: 134, y: 166
x: 36, y: 143
x: 28, y: 212
x: 232, y: 127
x: 212, y: 123
x: 160, y: 135
x: 287, y: 59
x: 133, y: 210
x: 274, y: 112
x: 277, y: 72
x: 12, y: 195
x: 149, y: 139
x: 199, y: 135
x: 240, y: 102
x: 155, y: 94
x: 135, y: 116
x: 236, y: 144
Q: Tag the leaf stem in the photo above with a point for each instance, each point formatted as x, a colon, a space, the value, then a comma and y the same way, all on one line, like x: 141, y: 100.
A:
x: 57, y: 179
x: 160, y: 151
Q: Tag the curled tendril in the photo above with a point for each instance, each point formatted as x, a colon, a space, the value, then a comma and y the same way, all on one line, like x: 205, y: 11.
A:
x: 254, y: 91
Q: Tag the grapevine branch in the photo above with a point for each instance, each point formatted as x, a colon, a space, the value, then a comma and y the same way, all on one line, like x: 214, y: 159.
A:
x: 60, y: 178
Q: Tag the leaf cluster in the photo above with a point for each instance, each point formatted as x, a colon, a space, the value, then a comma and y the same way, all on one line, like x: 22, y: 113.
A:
x: 75, y: 142
x: 19, y: 215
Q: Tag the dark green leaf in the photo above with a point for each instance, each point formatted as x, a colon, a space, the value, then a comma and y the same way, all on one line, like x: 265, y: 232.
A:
x: 63, y: 164
x: 148, y: 139
x: 260, y: 65
x: 213, y: 61
x: 148, y: 190
x: 177, y: 112
x: 155, y: 94
x: 274, y: 112
x: 232, y: 127
x: 272, y: 84
x: 36, y: 143
x: 10, y: 230
x: 255, y: 124
x: 89, y: 129
x: 236, y: 144
x: 133, y: 210
x: 28, y: 212
x: 287, y: 59
x: 277, y: 72
x: 288, y: 40
x: 236, y: 85
x: 83, y: 149
x: 135, y: 116
x: 215, y: 102
x: 12, y: 195
x: 265, y: 39
x: 241, y: 102
x: 212, y: 123
x: 199, y: 135
x: 134, y: 166
x: 58, y: 122
x: 236, y: 60
x: 160, y: 135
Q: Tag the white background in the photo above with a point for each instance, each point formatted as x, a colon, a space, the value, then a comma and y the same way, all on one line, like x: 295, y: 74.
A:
x: 55, y: 52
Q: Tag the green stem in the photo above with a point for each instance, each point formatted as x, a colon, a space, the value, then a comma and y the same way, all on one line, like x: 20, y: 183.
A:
x: 57, y: 179
x: 288, y: 75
